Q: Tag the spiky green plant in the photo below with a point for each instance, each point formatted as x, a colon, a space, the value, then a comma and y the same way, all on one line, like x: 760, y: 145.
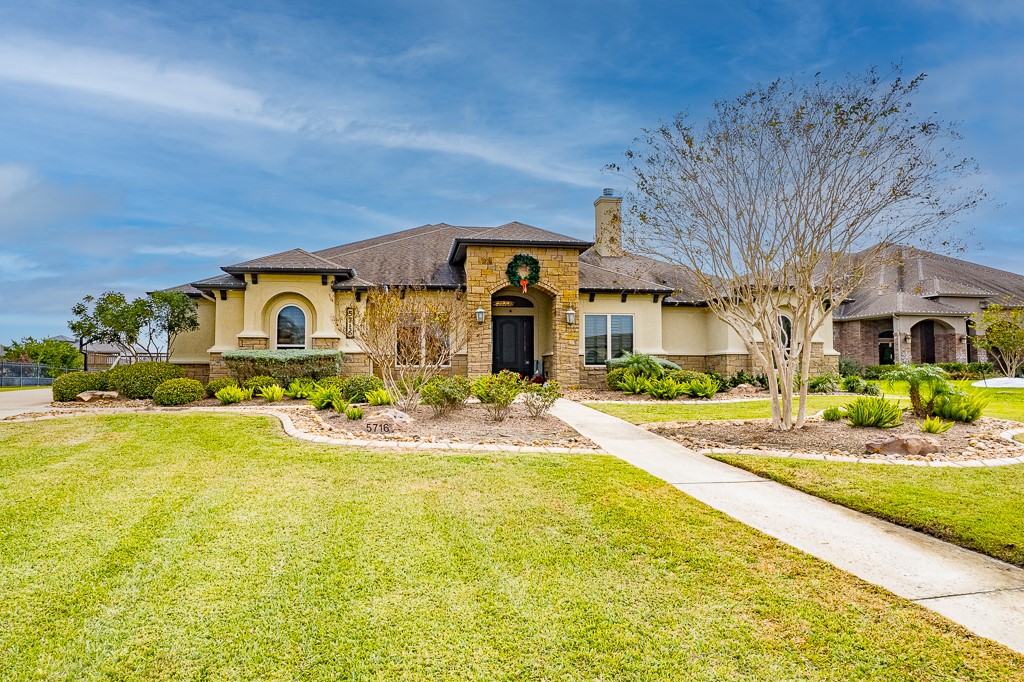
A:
x: 935, y: 425
x: 925, y: 383
x: 271, y: 393
x: 877, y: 412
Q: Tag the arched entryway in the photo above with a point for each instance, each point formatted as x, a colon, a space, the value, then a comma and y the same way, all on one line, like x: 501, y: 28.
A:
x: 520, y: 331
x: 932, y: 341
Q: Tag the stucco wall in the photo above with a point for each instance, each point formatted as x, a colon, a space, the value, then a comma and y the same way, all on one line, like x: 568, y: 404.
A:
x: 265, y: 299
x: 194, y: 347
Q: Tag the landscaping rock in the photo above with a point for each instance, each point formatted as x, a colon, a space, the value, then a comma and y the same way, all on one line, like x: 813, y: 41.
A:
x: 86, y: 396
x: 742, y: 389
x: 903, y: 445
x: 388, y: 420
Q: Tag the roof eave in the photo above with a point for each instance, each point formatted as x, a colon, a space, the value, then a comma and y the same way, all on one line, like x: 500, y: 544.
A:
x: 457, y: 254
x: 234, y: 270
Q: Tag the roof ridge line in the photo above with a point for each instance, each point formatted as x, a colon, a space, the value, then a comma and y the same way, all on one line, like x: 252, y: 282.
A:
x: 619, y: 272
x: 392, y: 241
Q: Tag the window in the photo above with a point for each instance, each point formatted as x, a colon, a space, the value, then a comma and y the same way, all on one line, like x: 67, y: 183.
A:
x: 291, y: 328
x: 786, y: 325
x: 606, y: 336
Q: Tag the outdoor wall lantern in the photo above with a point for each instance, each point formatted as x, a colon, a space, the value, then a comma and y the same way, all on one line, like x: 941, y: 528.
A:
x: 480, y: 312
x: 570, y: 316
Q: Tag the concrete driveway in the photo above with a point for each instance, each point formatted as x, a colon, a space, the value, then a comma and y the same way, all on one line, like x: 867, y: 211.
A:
x: 28, y: 400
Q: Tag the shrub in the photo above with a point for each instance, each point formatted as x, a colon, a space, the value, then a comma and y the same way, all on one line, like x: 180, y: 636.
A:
x: 328, y: 396
x: 644, y: 364
x: 683, y: 376
x: 961, y: 407
x: 848, y: 367
x: 876, y: 412
x: 614, y: 377
x: 665, y: 388
x: 634, y: 384
x: 872, y: 389
x: 832, y: 414
x: 497, y: 392
x: 378, y: 397
x: 853, y: 384
x: 271, y: 393
x: 299, y: 389
x: 178, y: 392
x: 823, y: 383
x: 875, y: 371
x: 934, y: 425
x: 232, y: 394
x: 445, y: 394
x: 704, y: 387
x: 141, y: 379
x: 283, y: 365
x: 925, y: 383
x: 539, y: 398
x: 980, y: 369
x: 356, y: 387
x: 719, y: 380
x: 258, y: 382
x: 354, y: 413
x: 217, y: 384
x: 67, y: 386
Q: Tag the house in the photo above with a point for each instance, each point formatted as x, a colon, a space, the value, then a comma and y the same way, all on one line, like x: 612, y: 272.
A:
x: 98, y: 356
x: 591, y: 301
x: 916, y: 306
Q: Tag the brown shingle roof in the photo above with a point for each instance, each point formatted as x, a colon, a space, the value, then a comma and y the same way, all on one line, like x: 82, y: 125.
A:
x: 911, y: 278
x: 296, y: 260
x: 219, y: 282
x: 513, y: 233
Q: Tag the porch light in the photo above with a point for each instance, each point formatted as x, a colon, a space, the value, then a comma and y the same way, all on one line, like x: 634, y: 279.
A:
x: 570, y: 316
x: 480, y: 312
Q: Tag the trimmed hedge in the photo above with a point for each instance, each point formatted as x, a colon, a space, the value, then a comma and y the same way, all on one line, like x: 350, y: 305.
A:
x: 283, y: 365
x: 67, y: 386
x: 141, y: 379
x: 178, y: 392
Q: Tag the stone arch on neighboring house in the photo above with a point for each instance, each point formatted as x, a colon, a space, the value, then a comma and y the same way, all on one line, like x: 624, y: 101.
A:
x: 933, y: 340
x: 273, y: 309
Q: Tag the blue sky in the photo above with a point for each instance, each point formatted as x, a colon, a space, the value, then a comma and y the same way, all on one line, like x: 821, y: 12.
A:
x: 145, y: 145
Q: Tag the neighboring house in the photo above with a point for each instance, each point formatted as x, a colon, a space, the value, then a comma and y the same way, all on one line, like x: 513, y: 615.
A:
x: 917, y: 306
x: 98, y: 356
x: 592, y: 301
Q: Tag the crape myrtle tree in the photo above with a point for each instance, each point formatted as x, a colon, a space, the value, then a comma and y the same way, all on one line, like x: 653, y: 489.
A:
x: 411, y: 335
x: 767, y: 202
x: 144, y: 325
x: 1000, y: 331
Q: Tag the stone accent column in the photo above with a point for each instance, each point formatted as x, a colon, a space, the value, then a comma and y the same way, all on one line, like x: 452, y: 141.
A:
x: 326, y: 344
x: 218, y: 368
x: 961, y: 348
x: 253, y: 343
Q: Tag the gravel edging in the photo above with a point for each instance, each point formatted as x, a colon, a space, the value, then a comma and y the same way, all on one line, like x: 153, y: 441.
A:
x: 293, y: 431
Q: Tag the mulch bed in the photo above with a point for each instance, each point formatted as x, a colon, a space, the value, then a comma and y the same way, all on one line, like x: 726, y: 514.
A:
x: 470, y: 424
x: 980, y: 440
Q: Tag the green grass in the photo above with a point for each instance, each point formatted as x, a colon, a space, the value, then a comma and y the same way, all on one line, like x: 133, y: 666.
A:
x: 642, y: 413
x: 172, y: 547
x: 20, y: 388
x: 980, y: 509
x: 1007, y: 403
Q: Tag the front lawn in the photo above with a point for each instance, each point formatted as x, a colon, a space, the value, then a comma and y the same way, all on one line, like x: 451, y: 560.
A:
x: 645, y: 412
x: 212, y: 547
x: 20, y: 388
x: 977, y: 508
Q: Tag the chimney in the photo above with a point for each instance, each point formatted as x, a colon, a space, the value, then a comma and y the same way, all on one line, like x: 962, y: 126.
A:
x: 608, y: 224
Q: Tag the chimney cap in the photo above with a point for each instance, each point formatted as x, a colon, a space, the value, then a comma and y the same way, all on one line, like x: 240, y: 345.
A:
x: 608, y: 192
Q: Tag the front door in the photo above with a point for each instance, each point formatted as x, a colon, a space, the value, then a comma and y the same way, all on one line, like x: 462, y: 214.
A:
x: 513, y: 344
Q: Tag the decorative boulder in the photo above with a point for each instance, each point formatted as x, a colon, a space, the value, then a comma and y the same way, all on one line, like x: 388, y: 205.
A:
x: 903, y: 445
x: 86, y: 396
x: 742, y: 389
x: 388, y: 420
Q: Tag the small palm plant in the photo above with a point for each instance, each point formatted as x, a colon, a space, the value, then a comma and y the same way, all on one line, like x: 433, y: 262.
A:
x: 925, y: 382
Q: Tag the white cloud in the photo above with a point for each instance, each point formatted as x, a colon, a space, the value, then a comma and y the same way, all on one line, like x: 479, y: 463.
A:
x: 198, y: 250
x: 187, y: 90
x: 27, y: 201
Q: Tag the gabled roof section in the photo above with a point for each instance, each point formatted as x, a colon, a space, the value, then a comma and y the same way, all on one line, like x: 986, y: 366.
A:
x: 936, y: 287
x: 296, y: 260
x: 514, y: 233
x: 895, y: 303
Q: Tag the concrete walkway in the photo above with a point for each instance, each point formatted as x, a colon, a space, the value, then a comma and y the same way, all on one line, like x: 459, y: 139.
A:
x: 28, y: 400
x: 982, y: 594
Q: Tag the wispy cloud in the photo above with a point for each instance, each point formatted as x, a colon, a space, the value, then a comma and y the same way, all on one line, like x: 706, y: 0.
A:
x: 28, y: 202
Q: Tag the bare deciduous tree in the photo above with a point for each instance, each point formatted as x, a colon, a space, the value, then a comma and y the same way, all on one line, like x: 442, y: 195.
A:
x: 411, y: 335
x: 768, y: 202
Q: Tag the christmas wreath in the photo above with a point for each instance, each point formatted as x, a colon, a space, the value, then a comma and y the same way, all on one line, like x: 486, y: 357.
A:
x: 523, y: 270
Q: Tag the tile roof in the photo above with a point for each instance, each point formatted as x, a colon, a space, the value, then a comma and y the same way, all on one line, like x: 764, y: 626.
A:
x: 296, y: 260
x: 911, y: 278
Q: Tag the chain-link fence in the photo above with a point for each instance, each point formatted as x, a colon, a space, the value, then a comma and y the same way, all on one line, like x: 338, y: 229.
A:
x: 28, y: 374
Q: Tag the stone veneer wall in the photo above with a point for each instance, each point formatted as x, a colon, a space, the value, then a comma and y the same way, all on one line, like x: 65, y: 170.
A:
x: 858, y: 339
x: 198, y: 371
x: 559, y: 278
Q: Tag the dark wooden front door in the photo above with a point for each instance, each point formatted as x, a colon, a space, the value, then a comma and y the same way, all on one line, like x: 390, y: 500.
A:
x: 513, y: 344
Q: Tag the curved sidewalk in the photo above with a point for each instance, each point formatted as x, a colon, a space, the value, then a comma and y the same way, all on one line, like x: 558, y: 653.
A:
x: 27, y: 400
x: 982, y: 594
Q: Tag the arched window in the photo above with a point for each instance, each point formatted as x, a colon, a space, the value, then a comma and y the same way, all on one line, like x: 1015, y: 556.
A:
x: 291, y: 327
x: 787, y: 331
